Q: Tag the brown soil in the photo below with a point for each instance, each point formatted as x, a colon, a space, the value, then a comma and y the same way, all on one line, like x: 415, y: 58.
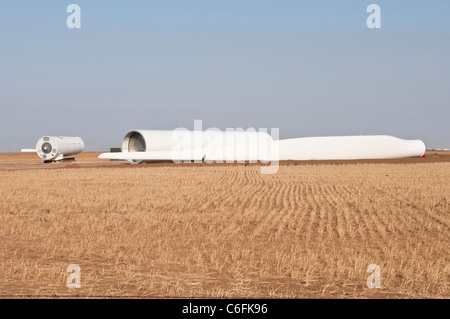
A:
x: 19, y: 161
x: 198, y: 230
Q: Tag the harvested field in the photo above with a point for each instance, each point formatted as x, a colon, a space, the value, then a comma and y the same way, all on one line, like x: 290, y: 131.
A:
x: 227, y: 231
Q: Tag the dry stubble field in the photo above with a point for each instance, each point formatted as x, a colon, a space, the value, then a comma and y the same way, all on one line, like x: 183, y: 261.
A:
x: 227, y: 231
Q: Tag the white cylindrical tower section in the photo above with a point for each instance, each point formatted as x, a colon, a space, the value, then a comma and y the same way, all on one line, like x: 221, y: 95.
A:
x: 197, y: 141
x: 51, y: 148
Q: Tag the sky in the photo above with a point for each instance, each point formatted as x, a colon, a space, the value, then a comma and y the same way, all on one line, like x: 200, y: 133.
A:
x: 309, y: 68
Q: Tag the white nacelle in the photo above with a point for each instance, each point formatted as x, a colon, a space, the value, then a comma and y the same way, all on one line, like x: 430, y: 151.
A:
x: 55, y: 148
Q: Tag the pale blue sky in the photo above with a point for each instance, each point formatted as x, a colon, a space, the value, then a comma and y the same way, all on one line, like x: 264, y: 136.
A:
x: 309, y: 68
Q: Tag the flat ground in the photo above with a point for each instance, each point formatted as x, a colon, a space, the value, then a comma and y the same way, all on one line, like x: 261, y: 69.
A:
x: 199, y: 230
